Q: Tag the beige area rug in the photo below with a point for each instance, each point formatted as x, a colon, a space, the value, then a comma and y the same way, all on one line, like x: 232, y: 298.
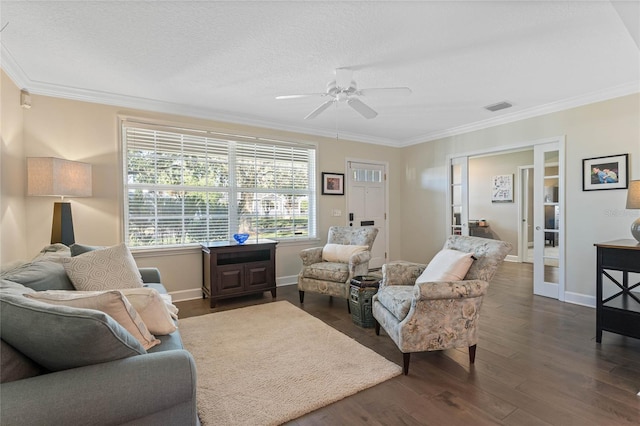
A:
x: 267, y: 364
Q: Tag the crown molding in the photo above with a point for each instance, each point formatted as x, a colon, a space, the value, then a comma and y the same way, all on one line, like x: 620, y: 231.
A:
x: 19, y: 77
x: 562, y: 105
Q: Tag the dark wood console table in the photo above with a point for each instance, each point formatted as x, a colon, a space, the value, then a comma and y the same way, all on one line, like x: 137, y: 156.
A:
x: 230, y: 269
x: 619, y: 313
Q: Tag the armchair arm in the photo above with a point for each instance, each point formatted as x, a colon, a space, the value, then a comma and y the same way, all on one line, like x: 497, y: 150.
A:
x: 401, y: 273
x: 311, y: 255
x: 359, y: 263
x: 450, y: 289
x: 116, y: 392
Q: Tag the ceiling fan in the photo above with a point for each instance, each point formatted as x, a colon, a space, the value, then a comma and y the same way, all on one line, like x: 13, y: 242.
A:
x: 345, y: 89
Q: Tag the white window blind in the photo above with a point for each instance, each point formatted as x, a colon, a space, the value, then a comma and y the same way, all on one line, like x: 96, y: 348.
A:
x: 186, y: 186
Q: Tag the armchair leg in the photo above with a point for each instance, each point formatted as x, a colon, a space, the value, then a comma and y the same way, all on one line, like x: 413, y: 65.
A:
x: 472, y: 354
x: 406, y: 357
x: 377, y: 325
x: 348, y: 306
x: 301, y: 293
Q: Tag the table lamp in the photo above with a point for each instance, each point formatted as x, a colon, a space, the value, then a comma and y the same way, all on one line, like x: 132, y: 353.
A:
x: 49, y: 176
x: 633, y: 202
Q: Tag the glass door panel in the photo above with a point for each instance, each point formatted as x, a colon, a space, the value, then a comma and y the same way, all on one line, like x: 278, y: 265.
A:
x: 457, y: 197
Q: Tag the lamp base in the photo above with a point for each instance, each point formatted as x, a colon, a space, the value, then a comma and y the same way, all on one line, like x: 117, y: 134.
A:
x: 635, y: 229
x: 62, y: 227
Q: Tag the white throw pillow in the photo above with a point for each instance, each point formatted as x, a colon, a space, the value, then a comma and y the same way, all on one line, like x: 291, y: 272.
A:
x: 112, y: 303
x: 155, y: 312
x: 111, y: 268
x: 341, y: 252
x: 447, y: 265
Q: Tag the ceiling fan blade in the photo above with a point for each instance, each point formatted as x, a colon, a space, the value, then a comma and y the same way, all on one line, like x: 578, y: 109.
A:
x: 316, y: 112
x: 385, y: 91
x: 305, y: 95
x: 344, y: 77
x: 362, y: 108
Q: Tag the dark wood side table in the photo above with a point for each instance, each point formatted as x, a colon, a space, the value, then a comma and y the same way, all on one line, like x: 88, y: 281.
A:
x: 230, y: 269
x: 620, y: 312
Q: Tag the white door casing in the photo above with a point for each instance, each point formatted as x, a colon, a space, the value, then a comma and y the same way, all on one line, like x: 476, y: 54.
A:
x: 366, y: 193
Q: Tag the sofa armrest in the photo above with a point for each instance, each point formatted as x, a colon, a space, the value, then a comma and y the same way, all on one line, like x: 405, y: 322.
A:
x: 311, y: 255
x: 150, y: 275
x: 450, y: 289
x: 115, y: 392
x: 401, y: 272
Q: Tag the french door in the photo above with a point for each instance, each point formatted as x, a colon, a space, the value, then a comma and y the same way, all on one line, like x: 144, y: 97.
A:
x: 548, y: 234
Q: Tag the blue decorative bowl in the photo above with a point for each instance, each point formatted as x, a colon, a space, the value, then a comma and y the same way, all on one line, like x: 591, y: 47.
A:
x: 241, y: 238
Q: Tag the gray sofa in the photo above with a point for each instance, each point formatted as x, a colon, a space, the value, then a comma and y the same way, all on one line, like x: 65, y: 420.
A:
x: 155, y: 387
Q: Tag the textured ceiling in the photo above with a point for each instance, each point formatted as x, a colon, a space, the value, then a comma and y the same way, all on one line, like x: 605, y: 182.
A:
x: 228, y: 60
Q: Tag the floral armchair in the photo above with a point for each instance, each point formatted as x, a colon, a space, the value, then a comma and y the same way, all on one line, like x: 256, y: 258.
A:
x: 431, y: 316
x: 333, y: 277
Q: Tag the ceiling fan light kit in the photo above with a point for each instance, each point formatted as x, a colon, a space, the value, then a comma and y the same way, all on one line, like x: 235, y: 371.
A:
x: 344, y: 89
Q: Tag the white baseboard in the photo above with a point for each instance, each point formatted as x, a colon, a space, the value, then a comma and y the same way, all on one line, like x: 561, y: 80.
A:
x: 580, y: 299
x: 196, y: 293
x: 511, y: 258
x: 182, y: 295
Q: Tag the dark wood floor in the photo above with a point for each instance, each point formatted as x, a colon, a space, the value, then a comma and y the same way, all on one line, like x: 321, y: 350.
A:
x: 537, y: 364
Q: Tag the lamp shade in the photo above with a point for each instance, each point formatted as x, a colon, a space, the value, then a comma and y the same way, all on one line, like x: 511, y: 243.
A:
x: 633, y: 195
x: 56, y: 177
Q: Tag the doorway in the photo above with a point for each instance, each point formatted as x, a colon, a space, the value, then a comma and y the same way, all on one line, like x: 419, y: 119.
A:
x: 535, y: 213
x: 366, y: 189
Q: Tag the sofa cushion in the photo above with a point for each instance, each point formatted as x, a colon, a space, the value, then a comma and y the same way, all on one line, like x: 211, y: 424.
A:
x: 14, y: 365
x: 327, y: 271
x: 40, y: 275
x: 341, y: 252
x: 112, y: 302
x: 107, y: 269
x: 10, y: 287
x: 62, y: 337
x: 447, y: 265
x: 397, y: 299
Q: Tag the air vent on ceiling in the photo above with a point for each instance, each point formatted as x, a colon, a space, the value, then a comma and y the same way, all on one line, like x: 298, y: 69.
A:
x: 498, y: 106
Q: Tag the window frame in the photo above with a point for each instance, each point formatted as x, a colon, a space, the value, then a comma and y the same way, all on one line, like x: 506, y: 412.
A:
x: 233, y: 189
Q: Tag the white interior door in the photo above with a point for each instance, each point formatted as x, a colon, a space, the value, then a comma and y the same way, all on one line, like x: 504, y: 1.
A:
x: 548, y: 265
x: 366, y: 204
x: 457, y: 197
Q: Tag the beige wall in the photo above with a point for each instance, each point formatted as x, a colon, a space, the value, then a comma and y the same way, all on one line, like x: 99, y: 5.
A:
x: 88, y: 132
x: 501, y: 217
x: 603, y: 128
x: 417, y: 181
x: 13, y: 224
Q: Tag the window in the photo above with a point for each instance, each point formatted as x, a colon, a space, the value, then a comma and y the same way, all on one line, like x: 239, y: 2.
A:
x: 185, y: 186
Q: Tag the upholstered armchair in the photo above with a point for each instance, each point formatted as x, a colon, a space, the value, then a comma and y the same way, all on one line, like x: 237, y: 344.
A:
x: 436, y: 315
x: 329, y: 269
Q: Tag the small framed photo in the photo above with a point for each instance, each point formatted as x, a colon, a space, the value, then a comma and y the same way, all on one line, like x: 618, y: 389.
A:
x: 610, y: 172
x: 502, y: 189
x: 332, y: 183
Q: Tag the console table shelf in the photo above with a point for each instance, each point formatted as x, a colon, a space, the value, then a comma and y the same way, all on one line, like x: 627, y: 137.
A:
x: 230, y: 269
x: 619, y: 313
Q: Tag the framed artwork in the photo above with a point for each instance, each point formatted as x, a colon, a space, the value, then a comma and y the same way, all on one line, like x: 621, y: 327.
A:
x: 610, y: 172
x: 332, y: 183
x: 502, y: 189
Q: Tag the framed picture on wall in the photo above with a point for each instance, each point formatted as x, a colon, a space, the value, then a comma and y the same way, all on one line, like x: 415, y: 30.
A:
x: 610, y: 172
x: 502, y: 189
x: 332, y: 183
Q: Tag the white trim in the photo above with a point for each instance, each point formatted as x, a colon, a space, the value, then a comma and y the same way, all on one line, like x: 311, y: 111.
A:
x: 13, y: 70
x: 624, y: 89
x: 196, y: 293
x: 184, y: 295
x: 511, y: 258
x: 580, y: 299
x: 387, y: 213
